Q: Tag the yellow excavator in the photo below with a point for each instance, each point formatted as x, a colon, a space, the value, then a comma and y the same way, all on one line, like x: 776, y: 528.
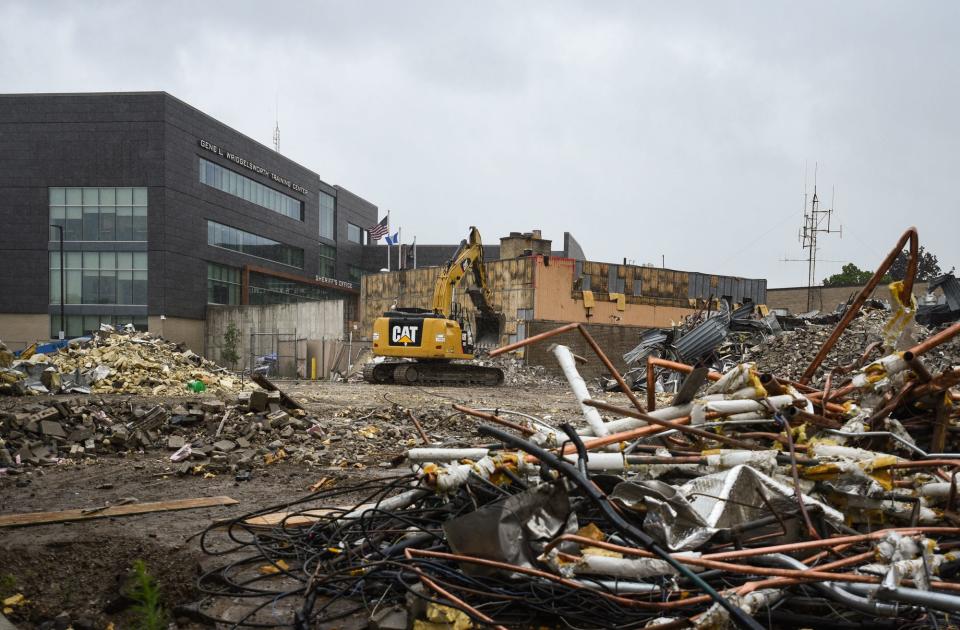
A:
x: 421, y: 346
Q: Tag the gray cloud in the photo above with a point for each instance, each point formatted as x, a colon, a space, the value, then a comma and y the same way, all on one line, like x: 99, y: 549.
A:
x: 646, y: 129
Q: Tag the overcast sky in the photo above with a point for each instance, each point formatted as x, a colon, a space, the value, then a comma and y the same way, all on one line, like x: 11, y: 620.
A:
x: 681, y: 130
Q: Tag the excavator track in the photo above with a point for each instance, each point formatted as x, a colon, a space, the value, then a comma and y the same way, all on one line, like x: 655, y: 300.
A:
x: 439, y: 373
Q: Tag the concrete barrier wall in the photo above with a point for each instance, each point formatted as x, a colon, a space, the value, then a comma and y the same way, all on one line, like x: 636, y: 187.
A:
x: 308, y: 321
x: 826, y: 299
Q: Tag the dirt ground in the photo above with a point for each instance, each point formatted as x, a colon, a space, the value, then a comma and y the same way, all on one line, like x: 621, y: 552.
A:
x: 82, y: 568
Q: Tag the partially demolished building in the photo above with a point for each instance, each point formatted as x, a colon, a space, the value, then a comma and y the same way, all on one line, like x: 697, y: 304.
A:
x: 534, y: 289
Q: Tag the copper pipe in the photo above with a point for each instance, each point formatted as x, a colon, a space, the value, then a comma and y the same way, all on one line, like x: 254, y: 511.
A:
x: 874, y: 420
x: 555, y: 578
x: 670, y: 424
x: 831, y: 542
x: 814, y: 419
x: 705, y: 562
x: 776, y: 437
x: 494, y: 418
x: 781, y: 582
x: 916, y: 364
x: 529, y: 340
x: 939, y: 383
x: 416, y: 423
x: 651, y: 385
x: 797, y: 493
x: 610, y: 368
x: 450, y: 596
x: 932, y: 342
x: 681, y: 367
x: 771, y: 384
x: 851, y: 312
x: 614, y: 438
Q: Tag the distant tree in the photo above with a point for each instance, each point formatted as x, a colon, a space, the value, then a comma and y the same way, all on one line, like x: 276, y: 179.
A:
x: 231, y: 339
x: 850, y: 275
x: 928, y: 267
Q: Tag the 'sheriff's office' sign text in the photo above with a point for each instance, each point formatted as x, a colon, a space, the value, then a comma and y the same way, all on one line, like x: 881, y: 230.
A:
x: 209, y: 146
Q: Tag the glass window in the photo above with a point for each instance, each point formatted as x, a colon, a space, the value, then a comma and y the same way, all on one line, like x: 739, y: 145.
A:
x: 124, y: 223
x: 74, y: 231
x: 100, y: 277
x: 253, y: 245
x: 139, y: 230
x: 91, y: 214
x: 355, y: 273
x: 249, y: 189
x: 58, y: 216
x: 354, y: 233
x: 327, y: 216
x: 265, y: 289
x: 91, y: 223
x: 223, y: 284
x: 108, y: 223
x: 328, y: 261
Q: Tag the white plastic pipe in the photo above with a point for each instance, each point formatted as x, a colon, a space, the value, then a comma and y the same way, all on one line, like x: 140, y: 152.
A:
x: 417, y: 455
x: 600, y: 461
x: 579, y: 387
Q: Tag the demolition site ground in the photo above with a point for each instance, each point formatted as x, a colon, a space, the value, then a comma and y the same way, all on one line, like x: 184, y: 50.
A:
x: 83, y: 568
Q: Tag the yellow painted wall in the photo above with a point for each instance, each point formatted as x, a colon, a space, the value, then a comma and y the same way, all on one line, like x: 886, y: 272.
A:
x: 557, y: 300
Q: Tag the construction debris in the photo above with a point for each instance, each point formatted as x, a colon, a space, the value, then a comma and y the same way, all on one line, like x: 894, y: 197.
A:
x: 114, y: 362
x: 782, y: 492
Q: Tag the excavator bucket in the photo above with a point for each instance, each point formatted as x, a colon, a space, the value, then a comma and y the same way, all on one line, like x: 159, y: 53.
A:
x: 489, y: 327
x: 489, y: 323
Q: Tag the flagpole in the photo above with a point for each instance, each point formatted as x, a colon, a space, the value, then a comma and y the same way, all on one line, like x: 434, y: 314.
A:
x: 414, y: 251
x: 399, y: 249
x: 388, y: 240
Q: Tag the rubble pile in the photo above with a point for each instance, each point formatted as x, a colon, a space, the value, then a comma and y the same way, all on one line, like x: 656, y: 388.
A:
x: 516, y: 373
x: 114, y: 362
x: 209, y: 436
x: 789, y: 353
x: 754, y: 500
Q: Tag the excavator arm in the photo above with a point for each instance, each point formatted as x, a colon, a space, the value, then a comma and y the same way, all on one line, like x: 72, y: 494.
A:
x: 469, y: 258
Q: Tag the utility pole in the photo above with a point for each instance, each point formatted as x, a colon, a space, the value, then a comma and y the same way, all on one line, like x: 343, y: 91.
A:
x: 63, y: 296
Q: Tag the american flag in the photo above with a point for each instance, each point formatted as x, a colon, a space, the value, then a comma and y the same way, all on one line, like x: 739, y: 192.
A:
x: 380, y: 229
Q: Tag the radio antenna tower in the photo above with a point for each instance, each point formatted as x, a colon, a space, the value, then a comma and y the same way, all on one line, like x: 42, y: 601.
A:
x: 276, y: 128
x: 816, y: 221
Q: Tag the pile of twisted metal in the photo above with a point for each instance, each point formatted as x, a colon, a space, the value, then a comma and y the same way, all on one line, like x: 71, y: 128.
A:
x: 751, y: 501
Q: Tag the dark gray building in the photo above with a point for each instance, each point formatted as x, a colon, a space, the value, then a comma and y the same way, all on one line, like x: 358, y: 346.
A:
x: 163, y: 210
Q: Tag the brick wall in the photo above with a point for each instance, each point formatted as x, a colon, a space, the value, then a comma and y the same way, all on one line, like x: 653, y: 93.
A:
x: 614, y: 340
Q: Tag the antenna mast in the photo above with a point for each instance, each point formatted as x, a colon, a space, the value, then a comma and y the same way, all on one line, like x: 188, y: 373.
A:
x: 276, y: 128
x: 815, y: 221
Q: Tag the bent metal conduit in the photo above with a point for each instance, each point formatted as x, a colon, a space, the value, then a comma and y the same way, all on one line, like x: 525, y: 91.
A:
x: 911, y: 236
